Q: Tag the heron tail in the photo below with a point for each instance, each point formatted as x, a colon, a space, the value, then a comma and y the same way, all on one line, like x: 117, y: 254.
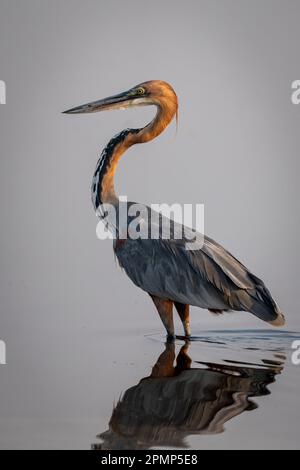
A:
x: 279, y: 321
x: 265, y: 312
x: 260, y: 302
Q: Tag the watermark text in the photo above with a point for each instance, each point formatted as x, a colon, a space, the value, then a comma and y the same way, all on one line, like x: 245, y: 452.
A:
x: 296, y: 93
x: 135, y: 221
x: 2, y: 352
x: 296, y: 353
x: 2, y: 92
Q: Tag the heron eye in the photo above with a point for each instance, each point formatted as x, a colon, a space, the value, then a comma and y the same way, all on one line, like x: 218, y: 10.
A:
x: 140, y: 91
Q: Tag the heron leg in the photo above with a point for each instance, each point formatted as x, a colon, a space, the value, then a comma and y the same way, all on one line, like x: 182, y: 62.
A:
x: 165, y: 310
x: 184, y: 313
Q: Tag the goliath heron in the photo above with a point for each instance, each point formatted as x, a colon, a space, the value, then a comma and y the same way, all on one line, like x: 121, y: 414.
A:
x: 208, y: 277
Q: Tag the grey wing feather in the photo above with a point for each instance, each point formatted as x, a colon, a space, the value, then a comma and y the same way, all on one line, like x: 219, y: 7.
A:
x: 208, y: 277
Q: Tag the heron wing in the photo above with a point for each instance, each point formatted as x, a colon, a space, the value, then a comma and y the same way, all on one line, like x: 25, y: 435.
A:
x: 167, y: 269
x: 207, y: 276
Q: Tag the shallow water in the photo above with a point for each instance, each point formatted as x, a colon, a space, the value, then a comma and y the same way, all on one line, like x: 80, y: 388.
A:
x: 196, y: 388
x: 223, y: 389
x: 73, y: 324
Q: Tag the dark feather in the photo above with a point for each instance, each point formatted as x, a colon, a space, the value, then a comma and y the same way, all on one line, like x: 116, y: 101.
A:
x: 208, y: 277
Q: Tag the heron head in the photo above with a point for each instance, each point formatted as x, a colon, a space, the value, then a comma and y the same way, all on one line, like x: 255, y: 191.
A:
x: 154, y: 92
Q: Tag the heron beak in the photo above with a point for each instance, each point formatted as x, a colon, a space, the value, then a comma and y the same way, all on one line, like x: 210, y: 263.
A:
x: 120, y: 101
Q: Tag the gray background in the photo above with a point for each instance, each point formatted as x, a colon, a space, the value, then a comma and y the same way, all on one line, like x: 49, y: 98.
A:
x: 237, y: 151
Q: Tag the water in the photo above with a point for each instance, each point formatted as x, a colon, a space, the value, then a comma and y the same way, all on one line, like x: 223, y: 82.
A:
x: 105, y: 387
x: 196, y: 388
x: 78, y: 362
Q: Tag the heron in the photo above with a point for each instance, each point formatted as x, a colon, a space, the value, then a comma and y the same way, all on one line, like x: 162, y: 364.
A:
x: 209, y: 277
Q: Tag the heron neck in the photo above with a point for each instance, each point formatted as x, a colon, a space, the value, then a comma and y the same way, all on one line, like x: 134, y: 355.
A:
x: 103, y: 188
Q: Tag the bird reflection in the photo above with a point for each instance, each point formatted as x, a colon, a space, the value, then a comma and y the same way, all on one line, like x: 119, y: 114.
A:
x: 177, y: 401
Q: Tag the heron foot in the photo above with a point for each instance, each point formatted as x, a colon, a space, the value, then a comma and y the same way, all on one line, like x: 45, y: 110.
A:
x: 186, y: 338
x: 170, y: 338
